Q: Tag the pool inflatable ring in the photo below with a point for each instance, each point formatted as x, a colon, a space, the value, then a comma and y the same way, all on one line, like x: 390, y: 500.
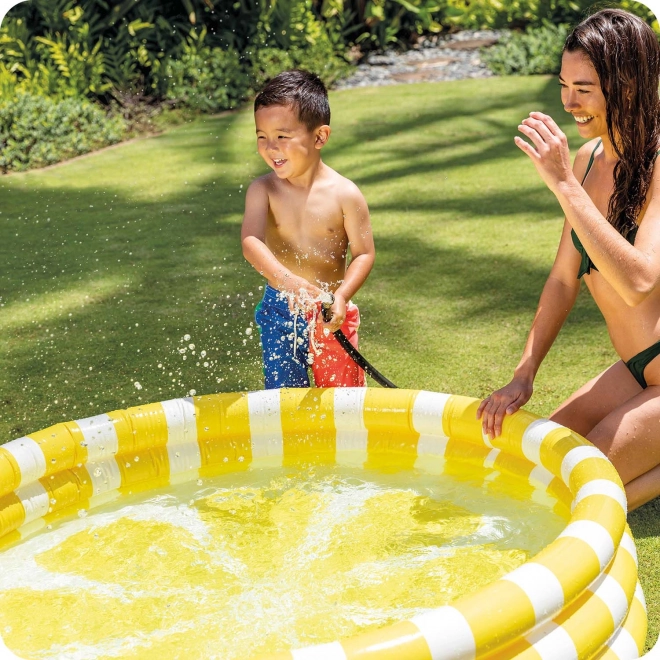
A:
x: 578, y: 598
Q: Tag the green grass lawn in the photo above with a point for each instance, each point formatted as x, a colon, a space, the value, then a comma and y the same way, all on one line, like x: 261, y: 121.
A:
x: 115, y: 263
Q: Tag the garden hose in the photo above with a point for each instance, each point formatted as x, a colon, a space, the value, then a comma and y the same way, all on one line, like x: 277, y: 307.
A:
x: 353, y: 353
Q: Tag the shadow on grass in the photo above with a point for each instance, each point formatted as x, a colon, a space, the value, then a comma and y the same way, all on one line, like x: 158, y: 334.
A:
x: 99, y: 289
x: 490, y: 134
x: 101, y: 285
x: 525, y: 202
x: 645, y: 521
x: 474, y: 287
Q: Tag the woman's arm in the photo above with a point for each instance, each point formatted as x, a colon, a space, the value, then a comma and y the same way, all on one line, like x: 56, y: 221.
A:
x: 632, y: 270
x: 557, y: 299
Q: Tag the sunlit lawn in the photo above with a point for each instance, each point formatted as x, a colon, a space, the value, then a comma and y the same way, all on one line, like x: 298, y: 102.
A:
x: 115, y: 263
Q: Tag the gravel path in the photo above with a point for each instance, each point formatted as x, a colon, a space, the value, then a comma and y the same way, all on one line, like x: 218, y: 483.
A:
x: 453, y: 57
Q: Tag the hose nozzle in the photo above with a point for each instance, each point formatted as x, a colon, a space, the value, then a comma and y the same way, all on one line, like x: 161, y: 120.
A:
x: 327, y: 299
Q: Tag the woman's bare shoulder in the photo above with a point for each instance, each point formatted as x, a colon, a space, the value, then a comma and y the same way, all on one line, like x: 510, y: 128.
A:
x: 583, y: 156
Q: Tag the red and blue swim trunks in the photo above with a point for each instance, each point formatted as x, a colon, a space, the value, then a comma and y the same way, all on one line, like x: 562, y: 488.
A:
x: 293, y: 343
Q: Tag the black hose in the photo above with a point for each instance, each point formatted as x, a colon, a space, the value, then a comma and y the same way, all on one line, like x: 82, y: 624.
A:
x: 354, y: 354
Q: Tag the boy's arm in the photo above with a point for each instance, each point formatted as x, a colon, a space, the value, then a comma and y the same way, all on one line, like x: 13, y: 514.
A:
x: 363, y: 253
x: 255, y: 250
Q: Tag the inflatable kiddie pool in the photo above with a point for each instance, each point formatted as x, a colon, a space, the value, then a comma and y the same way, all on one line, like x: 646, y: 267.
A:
x: 577, y: 598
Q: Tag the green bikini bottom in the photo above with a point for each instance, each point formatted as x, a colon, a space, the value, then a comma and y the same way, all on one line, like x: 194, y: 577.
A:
x: 637, y: 363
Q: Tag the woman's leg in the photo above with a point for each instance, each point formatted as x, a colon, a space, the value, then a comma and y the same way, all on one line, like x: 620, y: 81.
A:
x: 644, y: 488
x: 595, y: 400
x: 623, y: 421
x: 630, y: 437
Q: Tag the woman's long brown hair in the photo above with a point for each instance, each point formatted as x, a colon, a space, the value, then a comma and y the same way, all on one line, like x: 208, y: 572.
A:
x: 625, y: 52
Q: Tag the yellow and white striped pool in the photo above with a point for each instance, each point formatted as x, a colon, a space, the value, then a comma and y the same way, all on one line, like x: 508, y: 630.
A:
x: 578, y: 598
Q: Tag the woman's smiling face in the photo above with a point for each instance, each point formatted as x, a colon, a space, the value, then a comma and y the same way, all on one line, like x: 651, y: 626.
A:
x: 582, y: 95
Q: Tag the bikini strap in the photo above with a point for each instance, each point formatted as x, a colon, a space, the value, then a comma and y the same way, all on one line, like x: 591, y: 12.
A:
x: 591, y: 160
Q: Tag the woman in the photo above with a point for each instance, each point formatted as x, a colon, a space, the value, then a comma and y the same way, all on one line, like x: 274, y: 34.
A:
x: 611, y: 238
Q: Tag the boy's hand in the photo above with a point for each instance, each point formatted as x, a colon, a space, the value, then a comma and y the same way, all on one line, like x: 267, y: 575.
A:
x: 338, y: 314
x: 302, y: 294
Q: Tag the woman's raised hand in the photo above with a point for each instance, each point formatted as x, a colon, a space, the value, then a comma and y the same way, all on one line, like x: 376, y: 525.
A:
x: 549, y: 149
x: 504, y: 401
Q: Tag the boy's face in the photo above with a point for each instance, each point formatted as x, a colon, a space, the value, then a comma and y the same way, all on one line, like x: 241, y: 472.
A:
x: 286, y: 144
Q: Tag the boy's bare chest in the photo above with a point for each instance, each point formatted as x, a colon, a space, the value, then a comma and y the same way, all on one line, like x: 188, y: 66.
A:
x: 313, y: 216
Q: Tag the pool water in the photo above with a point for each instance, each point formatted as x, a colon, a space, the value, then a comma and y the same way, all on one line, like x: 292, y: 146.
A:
x: 266, y: 559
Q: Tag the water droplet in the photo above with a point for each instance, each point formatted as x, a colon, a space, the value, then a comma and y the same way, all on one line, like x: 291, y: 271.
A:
x: 82, y: 513
x: 137, y: 459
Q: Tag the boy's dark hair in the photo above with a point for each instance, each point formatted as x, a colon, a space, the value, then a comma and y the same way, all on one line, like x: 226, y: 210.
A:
x: 303, y: 91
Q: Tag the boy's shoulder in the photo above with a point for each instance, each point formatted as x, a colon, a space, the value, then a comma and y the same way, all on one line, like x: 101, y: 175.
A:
x: 263, y: 182
x: 342, y: 185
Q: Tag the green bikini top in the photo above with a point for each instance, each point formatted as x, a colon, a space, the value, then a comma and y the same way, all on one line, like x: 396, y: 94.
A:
x: 585, y: 261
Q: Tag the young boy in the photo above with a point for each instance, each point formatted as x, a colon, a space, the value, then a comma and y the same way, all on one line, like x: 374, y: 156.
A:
x: 299, y: 222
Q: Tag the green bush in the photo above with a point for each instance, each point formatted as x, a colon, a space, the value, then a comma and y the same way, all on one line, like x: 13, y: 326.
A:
x: 535, y: 51
x: 204, y: 78
x: 319, y: 58
x: 518, y: 14
x: 94, y: 47
x: 36, y: 131
x: 139, y: 57
x: 290, y: 35
x: 384, y: 22
x: 480, y: 14
x: 267, y: 63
